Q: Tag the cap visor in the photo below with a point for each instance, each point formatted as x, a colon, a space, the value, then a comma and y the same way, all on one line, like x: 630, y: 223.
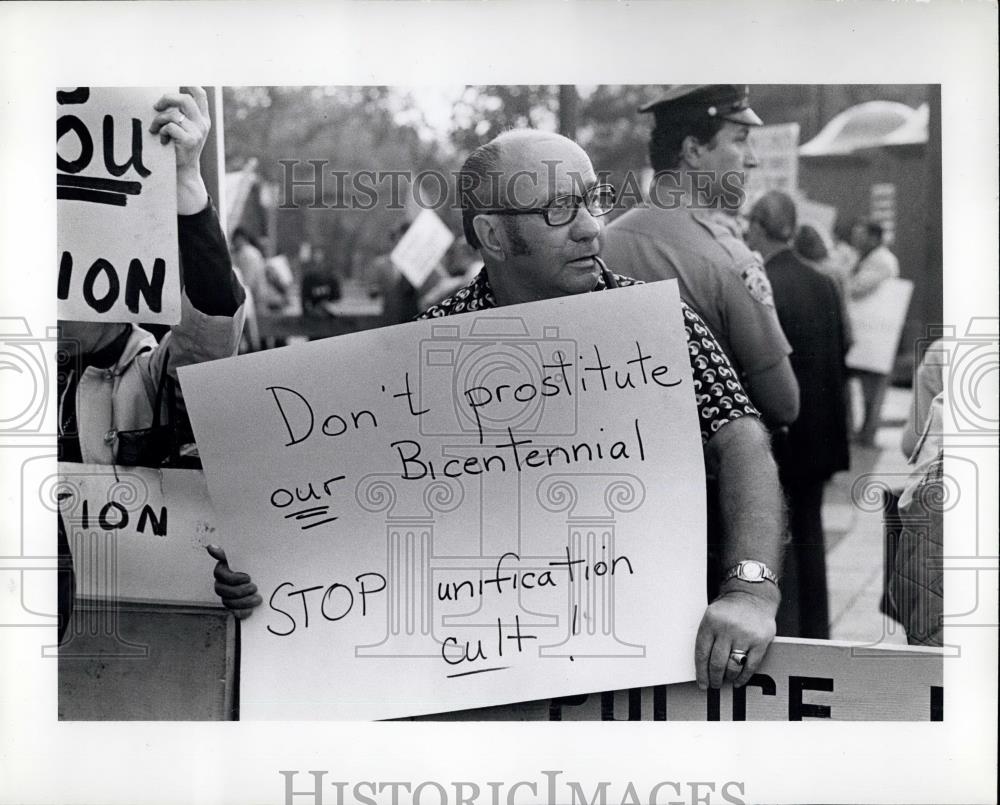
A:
x: 748, y: 117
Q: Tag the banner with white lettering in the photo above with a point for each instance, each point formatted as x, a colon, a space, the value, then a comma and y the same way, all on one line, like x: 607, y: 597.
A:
x: 461, y: 512
x: 116, y: 208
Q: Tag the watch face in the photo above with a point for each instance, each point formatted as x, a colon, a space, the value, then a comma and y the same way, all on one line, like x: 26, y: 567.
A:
x: 752, y: 571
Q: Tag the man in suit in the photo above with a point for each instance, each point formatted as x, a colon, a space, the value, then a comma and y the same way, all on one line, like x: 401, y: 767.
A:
x: 811, y: 315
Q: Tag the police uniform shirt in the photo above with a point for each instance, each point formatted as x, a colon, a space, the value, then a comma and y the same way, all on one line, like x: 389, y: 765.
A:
x: 717, y: 390
x: 717, y: 274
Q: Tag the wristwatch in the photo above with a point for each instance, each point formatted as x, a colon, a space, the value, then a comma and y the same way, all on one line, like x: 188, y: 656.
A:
x: 752, y: 571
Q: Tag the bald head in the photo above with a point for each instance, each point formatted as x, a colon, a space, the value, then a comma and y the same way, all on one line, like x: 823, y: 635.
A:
x: 775, y: 212
x: 518, y: 168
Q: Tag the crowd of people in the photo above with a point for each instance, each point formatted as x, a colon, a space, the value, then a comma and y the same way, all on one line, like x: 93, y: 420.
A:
x: 766, y: 308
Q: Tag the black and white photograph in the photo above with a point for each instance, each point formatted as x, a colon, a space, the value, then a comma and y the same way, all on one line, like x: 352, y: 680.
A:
x: 389, y: 408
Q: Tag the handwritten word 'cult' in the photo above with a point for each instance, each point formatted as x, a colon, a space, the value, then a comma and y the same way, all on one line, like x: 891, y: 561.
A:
x: 468, y: 654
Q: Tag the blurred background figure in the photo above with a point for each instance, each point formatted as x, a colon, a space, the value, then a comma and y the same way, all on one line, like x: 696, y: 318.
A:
x: 401, y: 302
x: 248, y: 260
x: 843, y: 256
x: 810, y: 246
x: 816, y: 445
x: 320, y: 283
x: 916, y: 583
x: 875, y: 265
x: 399, y: 297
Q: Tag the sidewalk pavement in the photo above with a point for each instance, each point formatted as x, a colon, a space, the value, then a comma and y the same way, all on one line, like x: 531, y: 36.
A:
x: 854, y: 532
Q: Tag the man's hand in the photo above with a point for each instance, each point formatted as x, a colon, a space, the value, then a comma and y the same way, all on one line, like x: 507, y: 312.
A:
x: 735, y: 621
x: 184, y: 120
x: 235, y: 589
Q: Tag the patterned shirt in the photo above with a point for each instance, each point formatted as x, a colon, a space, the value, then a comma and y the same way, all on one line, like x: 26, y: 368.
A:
x: 717, y: 390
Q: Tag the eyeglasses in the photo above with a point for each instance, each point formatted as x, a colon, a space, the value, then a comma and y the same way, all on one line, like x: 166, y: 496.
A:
x: 599, y: 200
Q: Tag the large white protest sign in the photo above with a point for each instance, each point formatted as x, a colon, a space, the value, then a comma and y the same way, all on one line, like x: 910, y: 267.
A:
x: 116, y: 208
x: 877, y: 321
x: 422, y: 247
x: 462, y: 512
x: 136, y: 534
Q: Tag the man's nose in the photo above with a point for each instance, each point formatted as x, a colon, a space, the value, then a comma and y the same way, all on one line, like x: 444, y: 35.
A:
x: 750, y: 158
x: 585, y: 226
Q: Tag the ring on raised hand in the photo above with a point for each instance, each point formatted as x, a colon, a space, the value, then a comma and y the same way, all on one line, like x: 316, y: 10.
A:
x: 738, y: 657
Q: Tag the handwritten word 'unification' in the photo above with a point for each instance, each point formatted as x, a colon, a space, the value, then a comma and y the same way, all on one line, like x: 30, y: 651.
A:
x: 519, y: 579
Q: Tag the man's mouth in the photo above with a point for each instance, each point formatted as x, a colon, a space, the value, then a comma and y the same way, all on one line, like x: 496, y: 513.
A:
x: 584, y: 262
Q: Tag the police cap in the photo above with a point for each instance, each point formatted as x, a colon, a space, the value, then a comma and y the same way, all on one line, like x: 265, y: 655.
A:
x: 724, y: 101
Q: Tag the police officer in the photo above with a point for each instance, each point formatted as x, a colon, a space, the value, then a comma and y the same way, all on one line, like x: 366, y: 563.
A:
x: 699, y: 151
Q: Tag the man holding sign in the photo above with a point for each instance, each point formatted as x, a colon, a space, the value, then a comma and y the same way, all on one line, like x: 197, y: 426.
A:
x: 542, y: 241
x: 502, y: 529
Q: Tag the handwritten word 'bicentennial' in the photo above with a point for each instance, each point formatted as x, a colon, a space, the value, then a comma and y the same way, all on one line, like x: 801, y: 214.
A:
x: 416, y: 468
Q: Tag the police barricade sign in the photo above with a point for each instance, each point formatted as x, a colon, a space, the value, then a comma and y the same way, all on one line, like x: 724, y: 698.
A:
x: 462, y: 512
x: 116, y: 209
x: 798, y: 680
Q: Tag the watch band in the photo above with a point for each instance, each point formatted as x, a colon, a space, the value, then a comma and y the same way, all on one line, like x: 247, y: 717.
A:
x: 751, y: 571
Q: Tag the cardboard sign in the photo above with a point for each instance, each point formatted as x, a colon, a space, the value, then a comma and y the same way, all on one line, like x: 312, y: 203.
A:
x: 799, y: 680
x: 461, y: 512
x: 136, y: 534
x: 116, y: 208
x: 877, y: 320
x: 777, y: 150
x: 422, y: 247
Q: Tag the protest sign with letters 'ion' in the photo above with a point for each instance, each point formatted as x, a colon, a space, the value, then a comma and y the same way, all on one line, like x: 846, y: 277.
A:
x: 877, y: 321
x: 461, y: 512
x: 138, y: 534
x: 116, y: 208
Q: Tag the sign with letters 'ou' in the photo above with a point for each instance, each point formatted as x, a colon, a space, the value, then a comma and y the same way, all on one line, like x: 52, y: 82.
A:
x: 461, y: 512
x: 116, y: 208
x: 877, y: 321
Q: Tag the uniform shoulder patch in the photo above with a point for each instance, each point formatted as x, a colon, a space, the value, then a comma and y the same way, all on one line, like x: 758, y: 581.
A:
x: 758, y: 284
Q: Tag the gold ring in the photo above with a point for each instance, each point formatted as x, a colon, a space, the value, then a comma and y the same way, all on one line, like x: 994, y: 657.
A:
x: 738, y: 657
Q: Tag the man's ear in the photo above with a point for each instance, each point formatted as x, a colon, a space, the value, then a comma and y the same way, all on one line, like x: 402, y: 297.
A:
x: 691, y: 151
x: 491, y: 241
